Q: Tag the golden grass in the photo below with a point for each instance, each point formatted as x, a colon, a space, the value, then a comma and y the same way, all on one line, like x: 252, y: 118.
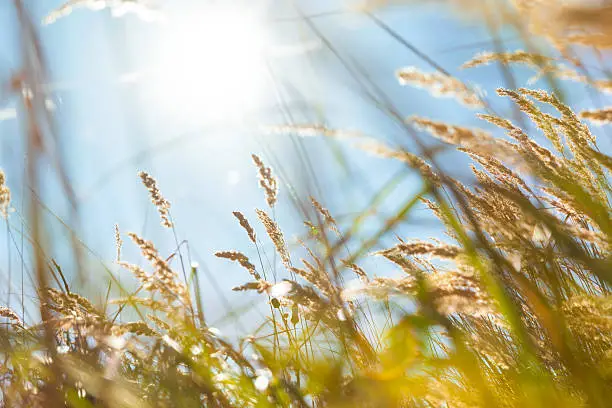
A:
x: 512, y: 310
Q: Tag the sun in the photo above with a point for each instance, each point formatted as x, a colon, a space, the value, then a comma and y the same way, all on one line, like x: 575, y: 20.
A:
x: 210, y: 63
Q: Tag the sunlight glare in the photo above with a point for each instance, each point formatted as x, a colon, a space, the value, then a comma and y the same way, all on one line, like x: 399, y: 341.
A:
x: 211, y: 64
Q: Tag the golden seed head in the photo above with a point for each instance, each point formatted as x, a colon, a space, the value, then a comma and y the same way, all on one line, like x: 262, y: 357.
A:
x: 163, y: 205
x: 599, y: 116
x: 267, y: 181
x: 244, y: 223
x: 242, y: 259
x: 440, y: 85
x: 275, y: 235
x: 118, y: 242
x: 5, y: 195
x: 327, y: 217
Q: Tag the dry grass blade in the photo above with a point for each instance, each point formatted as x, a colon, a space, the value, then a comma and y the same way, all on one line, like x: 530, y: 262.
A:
x: 359, y: 271
x: 314, y: 131
x: 5, y: 195
x: 276, y: 235
x: 11, y: 315
x: 242, y: 259
x: 118, y: 242
x: 410, y: 159
x: 164, y: 280
x: 327, y: 217
x: 440, y: 85
x: 422, y: 248
x: 260, y: 286
x: 267, y: 181
x: 535, y: 60
x: 163, y: 205
x: 244, y: 223
x: 599, y: 116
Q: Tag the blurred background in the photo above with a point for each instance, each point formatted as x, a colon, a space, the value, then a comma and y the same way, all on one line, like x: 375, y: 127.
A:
x: 187, y: 90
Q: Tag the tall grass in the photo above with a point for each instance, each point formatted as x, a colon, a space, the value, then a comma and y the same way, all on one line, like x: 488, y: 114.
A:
x: 513, y: 309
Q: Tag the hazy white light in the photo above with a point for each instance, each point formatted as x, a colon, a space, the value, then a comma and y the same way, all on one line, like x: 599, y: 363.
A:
x: 353, y: 289
x: 280, y: 289
x: 210, y: 63
x: 233, y: 177
x: 263, y: 379
x: 115, y: 342
x: 515, y: 259
x: 261, y: 383
x: 63, y: 349
x: 8, y: 113
x: 221, y: 377
x: 172, y: 343
x: 541, y: 234
x: 196, y: 350
x: 214, y: 331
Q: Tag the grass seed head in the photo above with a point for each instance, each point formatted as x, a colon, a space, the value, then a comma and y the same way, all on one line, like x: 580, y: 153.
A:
x: 163, y: 205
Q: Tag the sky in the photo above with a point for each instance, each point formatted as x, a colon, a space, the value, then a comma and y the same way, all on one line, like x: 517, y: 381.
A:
x: 125, y: 99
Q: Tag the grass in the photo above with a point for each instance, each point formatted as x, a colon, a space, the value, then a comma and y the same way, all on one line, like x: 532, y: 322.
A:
x: 513, y: 309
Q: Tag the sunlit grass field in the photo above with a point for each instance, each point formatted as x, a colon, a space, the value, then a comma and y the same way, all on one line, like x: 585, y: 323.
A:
x: 510, y: 308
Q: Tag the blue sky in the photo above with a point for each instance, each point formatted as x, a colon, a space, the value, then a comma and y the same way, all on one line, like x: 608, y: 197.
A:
x: 111, y: 129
